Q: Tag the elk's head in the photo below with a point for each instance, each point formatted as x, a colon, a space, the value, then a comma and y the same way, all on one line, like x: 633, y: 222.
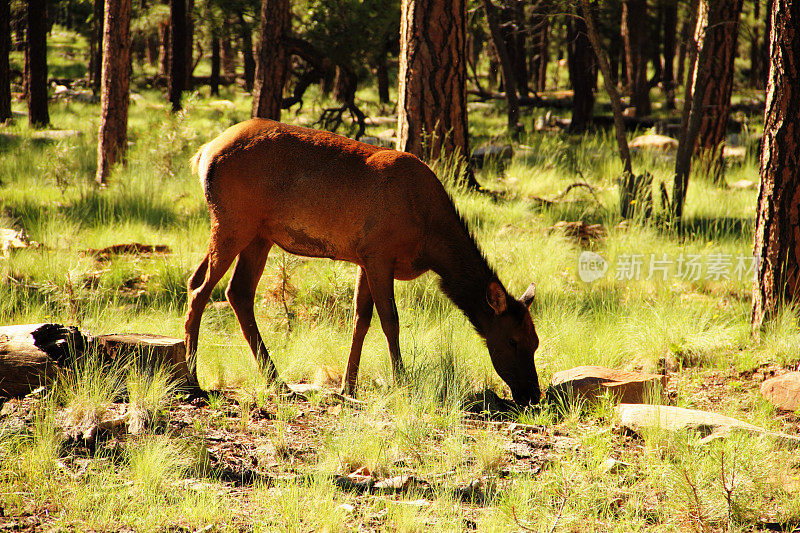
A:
x: 511, y: 339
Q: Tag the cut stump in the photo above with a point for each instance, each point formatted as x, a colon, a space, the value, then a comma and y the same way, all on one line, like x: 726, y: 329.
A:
x: 30, y: 355
x: 145, y: 350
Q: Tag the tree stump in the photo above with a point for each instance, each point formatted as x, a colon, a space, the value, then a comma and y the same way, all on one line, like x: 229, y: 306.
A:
x: 31, y: 354
x: 144, y: 350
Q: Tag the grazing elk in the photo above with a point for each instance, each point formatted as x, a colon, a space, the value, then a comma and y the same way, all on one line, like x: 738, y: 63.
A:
x: 317, y: 194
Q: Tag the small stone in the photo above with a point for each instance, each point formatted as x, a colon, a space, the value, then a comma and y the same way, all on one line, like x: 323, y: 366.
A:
x: 653, y: 142
x: 783, y: 391
x: 612, y: 466
x: 347, y: 508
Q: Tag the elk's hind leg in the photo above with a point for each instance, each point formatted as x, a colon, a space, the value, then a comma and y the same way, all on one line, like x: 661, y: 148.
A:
x: 241, y: 294
x: 205, y: 278
x: 362, y: 315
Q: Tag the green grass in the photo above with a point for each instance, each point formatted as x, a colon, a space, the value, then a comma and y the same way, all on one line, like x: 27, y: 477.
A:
x: 703, y: 325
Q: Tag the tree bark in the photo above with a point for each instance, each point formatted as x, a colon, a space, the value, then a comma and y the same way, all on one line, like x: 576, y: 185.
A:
x: 112, y: 139
x: 96, y: 47
x: 722, y: 28
x: 634, y: 26
x: 177, y: 56
x: 5, y: 70
x: 582, y: 73
x: 777, y: 242
x: 38, y: 114
x: 509, y: 79
x: 163, y: 49
x: 272, y: 60
x: 228, y: 54
x: 382, y: 77
x: 432, y: 101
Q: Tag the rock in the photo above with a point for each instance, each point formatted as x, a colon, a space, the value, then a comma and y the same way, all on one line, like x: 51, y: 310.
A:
x: 743, y: 184
x: 612, y: 466
x: 380, y: 121
x: 654, y: 142
x: 55, y: 135
x: 736, y: 153
x: 591, y: 382
x: 783, y: 391
x: 641, y: 417
x: 13, y: 239
x: 493, y: 153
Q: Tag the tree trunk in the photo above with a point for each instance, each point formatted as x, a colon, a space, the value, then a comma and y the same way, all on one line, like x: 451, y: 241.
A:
x: 634, y: 26
x: 96, y: 47
x: 247, y: 53
x: 164, y: 49
x: 509, y: 79
x: 722, y: 29
x: 215, y: 64
x: 432, y: 94
x: 777, y: 242
x: 540, y: 28
x: 5, y: 70
x: 611, y: 89
x: 687, y: 38
x: 582, y: 73
x: 382, y: 76
x: 517, y: 46
x: 670, y: 21
x: 38, y: 114
x: 690, y: 119
x: 112, y: 139
x: 189, y: 52
x: 272, y: 60
x: 228, y: 55
x: 177, y: 57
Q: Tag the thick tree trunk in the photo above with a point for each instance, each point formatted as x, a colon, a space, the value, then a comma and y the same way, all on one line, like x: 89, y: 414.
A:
x: 509, y: 78
x: 272, y: 60
x: 215, y: 64
x: 38, y: 114
x: 177, y: 57
x: 777, y: 242
x: 5, y: 70
x: 634, y: 27
x: 432, y: 101
x: 249, y: 61
x: 516, y: 44
x: 96, y: 47
x: 722, y: 29
x: 112, y: 139
x: 670, y: 21
x: 687, y: 39
x: 582, y: 73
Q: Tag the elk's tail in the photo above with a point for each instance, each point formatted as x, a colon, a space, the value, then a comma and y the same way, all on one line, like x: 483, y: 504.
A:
x: 200, y: 167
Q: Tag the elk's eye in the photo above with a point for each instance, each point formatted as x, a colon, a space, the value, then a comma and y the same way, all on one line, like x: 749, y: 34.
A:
x: 512, y: 343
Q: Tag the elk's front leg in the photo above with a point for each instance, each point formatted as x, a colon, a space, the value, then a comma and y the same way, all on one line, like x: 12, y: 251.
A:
x: 362, y: 316
x: 381, y: 285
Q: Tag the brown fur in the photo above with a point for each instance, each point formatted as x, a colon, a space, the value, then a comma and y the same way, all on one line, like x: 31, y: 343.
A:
x: 317, y: 194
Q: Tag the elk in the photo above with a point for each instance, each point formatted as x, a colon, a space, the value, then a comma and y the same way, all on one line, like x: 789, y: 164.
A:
x: 317, y: 194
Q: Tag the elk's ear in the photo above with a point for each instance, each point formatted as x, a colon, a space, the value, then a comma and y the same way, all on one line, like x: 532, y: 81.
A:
x: 496, y: 297
x: 530, y: 293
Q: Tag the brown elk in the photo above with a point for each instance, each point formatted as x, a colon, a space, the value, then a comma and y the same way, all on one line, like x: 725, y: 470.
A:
x: 316, y: 194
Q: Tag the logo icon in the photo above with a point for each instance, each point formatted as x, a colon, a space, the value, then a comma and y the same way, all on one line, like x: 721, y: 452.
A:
x: 591, y: 266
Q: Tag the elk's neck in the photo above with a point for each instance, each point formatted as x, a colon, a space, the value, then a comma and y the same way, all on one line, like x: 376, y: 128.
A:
x: 465, y: 274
